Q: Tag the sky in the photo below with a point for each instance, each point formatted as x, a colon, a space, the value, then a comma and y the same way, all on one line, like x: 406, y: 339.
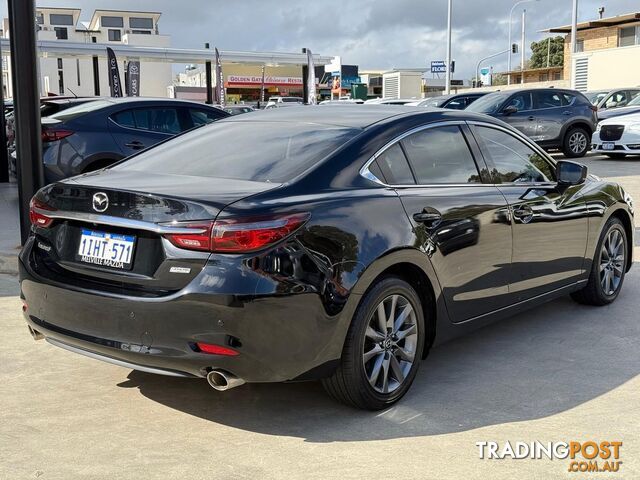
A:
x: 373, y: 34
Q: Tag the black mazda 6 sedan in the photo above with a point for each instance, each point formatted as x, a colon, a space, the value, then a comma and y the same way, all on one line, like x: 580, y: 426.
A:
x: 309, y: 243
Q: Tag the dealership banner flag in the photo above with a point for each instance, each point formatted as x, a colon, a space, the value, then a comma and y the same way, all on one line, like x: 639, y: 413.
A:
x: 311, y: 79
x: 262, y: 87
x: 219, y: 81
x: 133, y: 78
x: 114, y: 74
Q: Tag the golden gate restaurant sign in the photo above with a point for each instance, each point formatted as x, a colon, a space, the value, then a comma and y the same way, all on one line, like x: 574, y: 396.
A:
x: 235, y: 80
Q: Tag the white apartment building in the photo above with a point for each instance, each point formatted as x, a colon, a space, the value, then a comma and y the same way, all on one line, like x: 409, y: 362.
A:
x: 71, y: 75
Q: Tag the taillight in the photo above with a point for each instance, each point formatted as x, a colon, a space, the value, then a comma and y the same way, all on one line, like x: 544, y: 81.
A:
x: 38, y: 218
x: 52, y: 135
x: 238, y: 235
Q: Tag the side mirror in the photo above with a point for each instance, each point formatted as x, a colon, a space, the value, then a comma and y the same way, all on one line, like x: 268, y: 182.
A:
x: 570, y: 173
x: 510, y: 110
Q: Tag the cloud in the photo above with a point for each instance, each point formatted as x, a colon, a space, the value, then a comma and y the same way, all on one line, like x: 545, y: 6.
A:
x: 373, y: 34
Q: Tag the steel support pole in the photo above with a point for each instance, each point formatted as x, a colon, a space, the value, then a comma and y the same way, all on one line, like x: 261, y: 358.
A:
x: 208, y: 78
x: 96, y: 76
x: 4, y: 154
x: 26, y: 106
x: 305, y: 80
x: 522, y: 41
x: 447, y: 87
x: 574, y: 40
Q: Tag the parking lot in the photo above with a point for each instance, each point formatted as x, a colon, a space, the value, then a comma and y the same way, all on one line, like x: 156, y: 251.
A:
x: 560, y: 372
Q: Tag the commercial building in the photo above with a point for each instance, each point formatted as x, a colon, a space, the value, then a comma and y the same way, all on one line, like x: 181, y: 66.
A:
x: 402, y: 83
x: 608, y: 53
x: 74, y: 75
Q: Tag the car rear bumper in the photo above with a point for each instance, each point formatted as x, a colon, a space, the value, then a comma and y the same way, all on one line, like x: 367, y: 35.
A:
x: 277, y: 337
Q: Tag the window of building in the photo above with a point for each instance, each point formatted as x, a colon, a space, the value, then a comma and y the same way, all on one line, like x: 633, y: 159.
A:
x: 543, y: 77
x: 557, y: 75
x: 441, y: 155
x: 580, y: 45
x: 139, y: 22
x: 40, y: 18
x: 59, y: 64
x: 114, y: 35
x: 60, y: 19
x: 106, y: 21
x: 629, y: 36
x: 61, y: 33
x: 141, y: 32
x: 60, y: 77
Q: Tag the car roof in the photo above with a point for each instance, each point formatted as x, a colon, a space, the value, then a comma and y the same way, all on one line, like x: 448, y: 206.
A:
x: 119, y: 100
x: 361, y: 116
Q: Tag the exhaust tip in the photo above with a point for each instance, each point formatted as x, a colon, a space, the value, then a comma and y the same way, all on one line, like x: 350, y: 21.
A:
x: 35, y: 334
x: 222, y: 381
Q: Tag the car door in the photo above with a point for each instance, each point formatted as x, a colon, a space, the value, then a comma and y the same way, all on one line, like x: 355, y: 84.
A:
x: 523, y: 118
x: 460, y: 223
x: 551, y: 112
x: 135, y: 129
x: 549, y: 223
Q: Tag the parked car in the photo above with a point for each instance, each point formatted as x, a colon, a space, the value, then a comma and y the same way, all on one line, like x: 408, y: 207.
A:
x: 390, y: 101
x: 618, y: 137
x: 606, y: 100
x: 353, y: 242
x: 238, y: 109
x: 276, y: 102
x: 458, y: 101
x: 632, y: 107
x: 96, y: 134
x: 552, y: 117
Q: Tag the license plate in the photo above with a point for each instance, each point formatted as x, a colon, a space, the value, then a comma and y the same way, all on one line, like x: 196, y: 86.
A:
x: 608, y: 145
x: 106, y: 249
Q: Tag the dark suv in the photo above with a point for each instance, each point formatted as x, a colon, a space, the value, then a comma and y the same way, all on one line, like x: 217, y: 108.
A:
x: 553, y: 118
x: 97, y: 134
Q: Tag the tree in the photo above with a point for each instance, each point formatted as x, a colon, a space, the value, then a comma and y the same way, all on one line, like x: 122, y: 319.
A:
x: 554, y: 48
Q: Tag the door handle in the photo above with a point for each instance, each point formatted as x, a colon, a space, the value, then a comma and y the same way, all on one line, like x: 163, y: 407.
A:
x: 135, y: 144
x: 523, y: 213
x: 531, y: 118
x: 429, y: 219
x: 566, y: 112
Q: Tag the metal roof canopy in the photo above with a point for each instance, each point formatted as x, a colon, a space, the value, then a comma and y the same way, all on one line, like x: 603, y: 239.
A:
x: 601, y: 22
x: 57, y: 49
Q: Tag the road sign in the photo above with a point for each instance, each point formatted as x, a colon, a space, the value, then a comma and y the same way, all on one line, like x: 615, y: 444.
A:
x: 438, y: 66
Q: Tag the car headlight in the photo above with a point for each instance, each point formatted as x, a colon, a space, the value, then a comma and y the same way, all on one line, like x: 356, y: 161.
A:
x: 634, y: 127
x: 597, y: 128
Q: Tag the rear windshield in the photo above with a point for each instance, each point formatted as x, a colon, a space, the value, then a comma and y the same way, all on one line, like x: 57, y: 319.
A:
x: 258, y: 151
x: 73, y: 112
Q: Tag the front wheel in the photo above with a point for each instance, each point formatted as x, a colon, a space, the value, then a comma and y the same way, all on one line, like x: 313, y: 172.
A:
x: 608, y: 268
x: 383, y: 347
x: 576, y: 143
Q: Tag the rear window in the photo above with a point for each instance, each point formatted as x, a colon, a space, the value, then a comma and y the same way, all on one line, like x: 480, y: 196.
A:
x: 73, y: 112
x: 256, y: 151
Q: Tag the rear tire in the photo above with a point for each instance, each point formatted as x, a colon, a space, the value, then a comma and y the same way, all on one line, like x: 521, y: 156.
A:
x: 616, y: 156
x: 380, y: 358
x: 576, y: 142
x: 608, y: 268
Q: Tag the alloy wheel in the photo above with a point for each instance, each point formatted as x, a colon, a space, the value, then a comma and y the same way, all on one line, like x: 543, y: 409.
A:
x: 578, y: 142
x: 391, y: 340
x: 612, y: 262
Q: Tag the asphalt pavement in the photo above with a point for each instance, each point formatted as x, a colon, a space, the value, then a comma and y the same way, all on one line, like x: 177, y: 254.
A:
x: 559, y: 372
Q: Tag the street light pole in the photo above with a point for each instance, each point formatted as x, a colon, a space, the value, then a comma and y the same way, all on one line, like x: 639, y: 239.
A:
x: 522, y: 41
x: 447, y: 88
x: 574, y: 41
x: 510, y: 42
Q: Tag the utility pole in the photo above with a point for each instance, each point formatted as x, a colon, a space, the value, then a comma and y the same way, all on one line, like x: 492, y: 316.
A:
x: 548, y: 51
x: 447, y: 88
x: 574, y: 41
x: 26, y: 104
x: 524, y: 17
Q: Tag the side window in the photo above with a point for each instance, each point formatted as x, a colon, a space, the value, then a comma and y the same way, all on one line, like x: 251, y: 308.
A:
x: 457, y: 104
x: 394, y: 166
x: 441, y: 155
x: 161, y: 120
x: 202, y: 117
x: 568, y: 98
x: 124, y: 119
x: 618, y: 99
x: 513, y: 161
x: 546, y: 99
x: 633, y: 94
x: 522, y: 101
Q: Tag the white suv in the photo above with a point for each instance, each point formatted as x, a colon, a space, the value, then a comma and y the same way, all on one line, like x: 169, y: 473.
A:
x: 275, y: 102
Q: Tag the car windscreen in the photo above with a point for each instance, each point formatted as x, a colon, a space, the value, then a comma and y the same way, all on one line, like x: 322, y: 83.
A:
x: 73, y: 112
x: 259, y: 151
x: 488, y: 103
x: 595, y: 97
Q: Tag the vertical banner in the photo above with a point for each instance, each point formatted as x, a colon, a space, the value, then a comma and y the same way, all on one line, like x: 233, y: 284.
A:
x: 133, y: 79
x: 219, y: 81
x: 311, y: 79
x: 114, y: 74
x: 261, y: 101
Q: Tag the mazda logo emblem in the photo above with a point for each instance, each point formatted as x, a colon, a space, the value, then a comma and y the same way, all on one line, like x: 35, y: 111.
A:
x: 100, y: 202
